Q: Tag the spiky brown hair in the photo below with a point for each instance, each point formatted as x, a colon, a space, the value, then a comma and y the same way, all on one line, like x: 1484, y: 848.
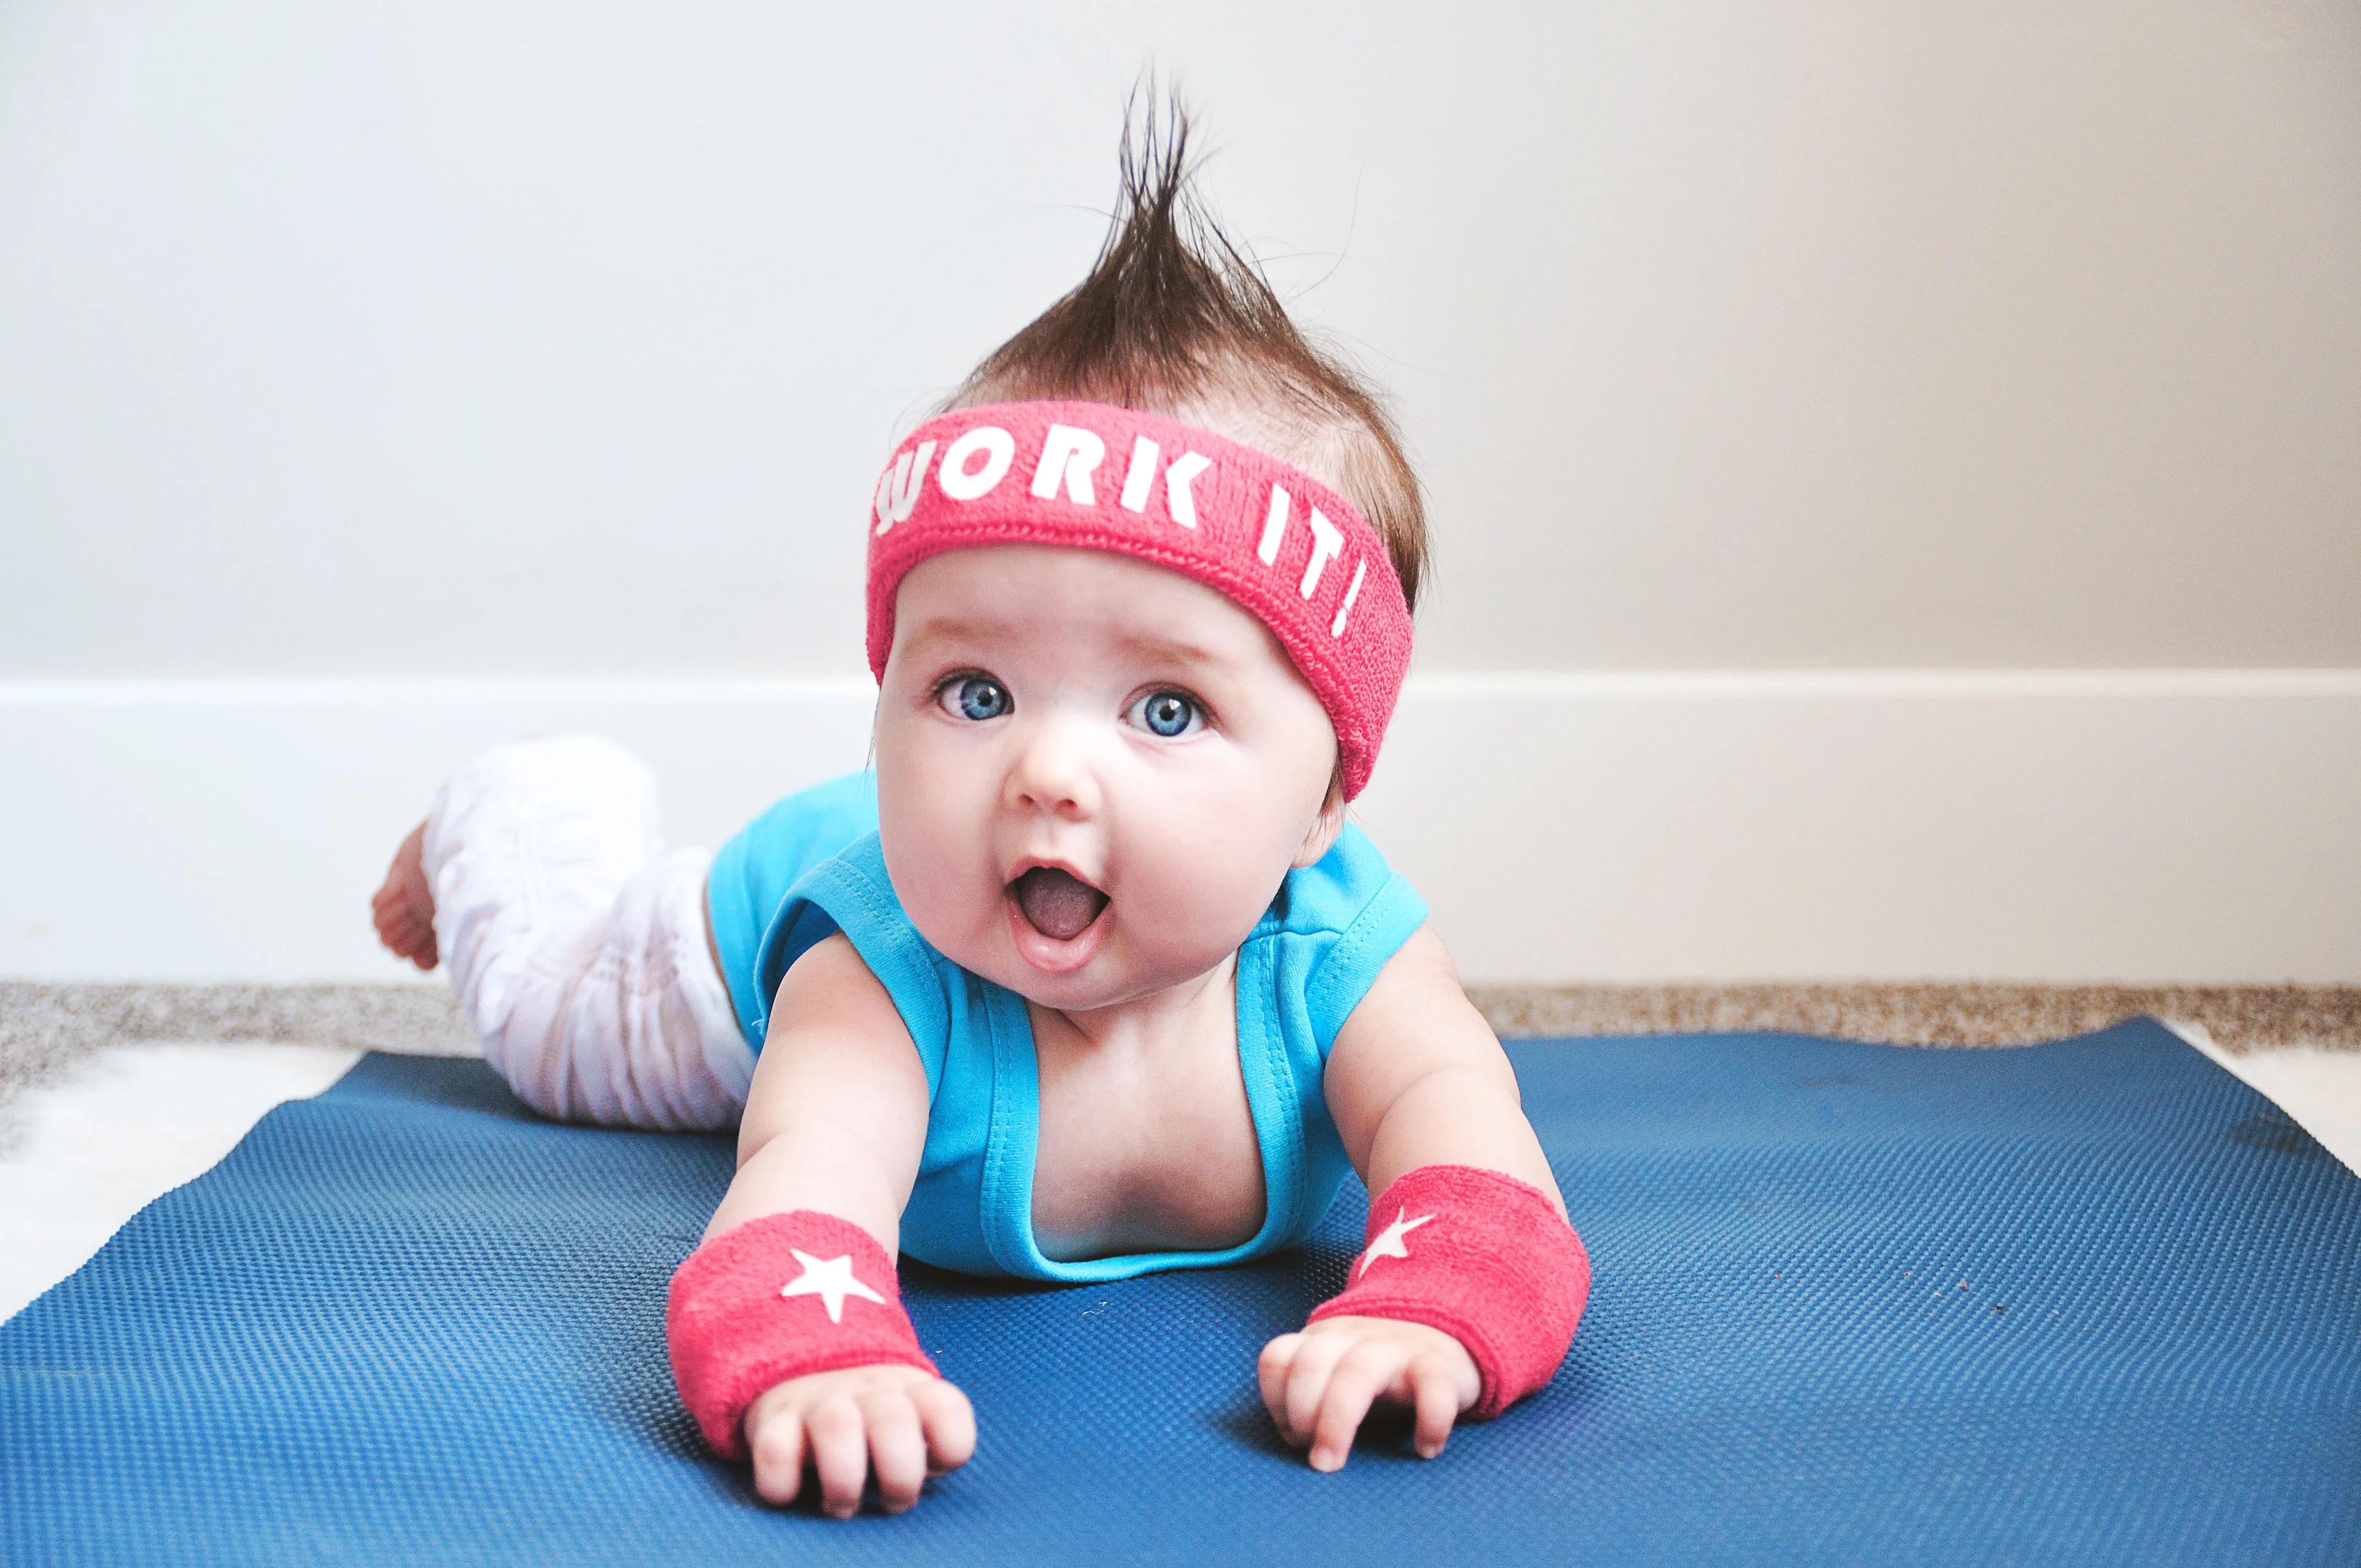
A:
x: 1175, y: 319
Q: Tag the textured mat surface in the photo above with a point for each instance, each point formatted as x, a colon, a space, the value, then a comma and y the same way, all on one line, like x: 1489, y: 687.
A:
x: 2092, y: 1301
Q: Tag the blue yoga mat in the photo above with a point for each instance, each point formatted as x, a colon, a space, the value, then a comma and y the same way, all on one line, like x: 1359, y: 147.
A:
x: 2092, y: 1301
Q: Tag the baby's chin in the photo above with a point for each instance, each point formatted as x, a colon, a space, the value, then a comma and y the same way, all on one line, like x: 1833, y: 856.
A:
x: 1111, y: 973
x: 1127, y: 953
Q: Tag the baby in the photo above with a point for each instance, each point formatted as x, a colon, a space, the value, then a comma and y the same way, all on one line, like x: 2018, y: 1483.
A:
x: 1093, y: 977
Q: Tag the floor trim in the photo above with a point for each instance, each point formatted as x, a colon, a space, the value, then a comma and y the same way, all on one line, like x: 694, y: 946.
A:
x: 1567, y: 827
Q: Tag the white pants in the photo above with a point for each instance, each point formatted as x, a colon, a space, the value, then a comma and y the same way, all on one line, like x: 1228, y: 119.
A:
x: 578, y: 948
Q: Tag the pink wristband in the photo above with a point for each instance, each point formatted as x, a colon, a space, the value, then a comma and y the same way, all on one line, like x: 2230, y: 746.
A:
x: 1481, y: 1256
x: 779, y: 1298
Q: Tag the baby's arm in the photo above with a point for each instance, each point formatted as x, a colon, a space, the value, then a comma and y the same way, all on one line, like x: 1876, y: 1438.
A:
x: 1415, y: 1078
x: 835, y: 1123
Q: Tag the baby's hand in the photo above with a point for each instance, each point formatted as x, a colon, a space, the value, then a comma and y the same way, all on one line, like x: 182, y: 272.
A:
x: 902, y: 1421
x: 1319, y: 1384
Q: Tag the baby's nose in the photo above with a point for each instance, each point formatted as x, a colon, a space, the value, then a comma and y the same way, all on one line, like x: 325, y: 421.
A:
x: 1053, y: 772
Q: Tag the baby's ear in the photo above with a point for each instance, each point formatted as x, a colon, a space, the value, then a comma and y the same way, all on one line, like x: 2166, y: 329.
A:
x: 1325, y: 826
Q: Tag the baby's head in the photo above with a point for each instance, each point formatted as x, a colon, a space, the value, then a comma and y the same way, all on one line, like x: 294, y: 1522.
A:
x: 1135, y: 642
x: 1175, y: 321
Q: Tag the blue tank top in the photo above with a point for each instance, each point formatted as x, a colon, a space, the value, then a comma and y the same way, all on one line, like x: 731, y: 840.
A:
x: 1301, y: 973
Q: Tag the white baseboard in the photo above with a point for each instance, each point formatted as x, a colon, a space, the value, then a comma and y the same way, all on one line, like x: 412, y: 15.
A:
x: 2138, y: 826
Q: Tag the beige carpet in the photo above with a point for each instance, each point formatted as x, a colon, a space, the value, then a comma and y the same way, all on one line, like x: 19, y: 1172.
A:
x: 44, y: 1025
x: 1932, y: 1013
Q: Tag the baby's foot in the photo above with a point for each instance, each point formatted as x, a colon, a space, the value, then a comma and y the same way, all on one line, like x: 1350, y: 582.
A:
x: 405, y: 906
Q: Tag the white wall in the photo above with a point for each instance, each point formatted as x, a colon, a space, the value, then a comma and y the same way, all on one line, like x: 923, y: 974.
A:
x: 383, y: 344
x: 411, y: 338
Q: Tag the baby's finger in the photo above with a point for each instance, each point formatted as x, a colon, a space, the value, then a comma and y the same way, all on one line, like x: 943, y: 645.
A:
x: 1436, y: 1389
x: 1270, y: 1373
x: 897, y: 1449
x: 949, y: 1421
x: 1366, y: 1371
x: 840, y: 1451
x: 778, y: 1447
x: 1307, y: 1383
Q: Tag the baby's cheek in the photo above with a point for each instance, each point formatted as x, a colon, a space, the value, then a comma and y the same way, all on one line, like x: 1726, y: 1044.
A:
x: 933, y: 855
x: 1217, y: 885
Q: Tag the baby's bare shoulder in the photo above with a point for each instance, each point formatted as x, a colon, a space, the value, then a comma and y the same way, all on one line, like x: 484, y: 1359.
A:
x: 1417, y: 996
x: 1415, y: 1019
x: 829, y: 973
x: 834, y: 1030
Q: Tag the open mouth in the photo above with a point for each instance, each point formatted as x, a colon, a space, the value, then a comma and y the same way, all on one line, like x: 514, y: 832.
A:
x: 1057, y: 903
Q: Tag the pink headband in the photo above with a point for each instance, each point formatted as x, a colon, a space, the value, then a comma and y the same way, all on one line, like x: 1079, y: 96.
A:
x: 1092, y: 476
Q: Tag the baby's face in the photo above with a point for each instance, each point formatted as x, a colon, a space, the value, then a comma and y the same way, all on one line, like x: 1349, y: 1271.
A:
x: 1092, y: 773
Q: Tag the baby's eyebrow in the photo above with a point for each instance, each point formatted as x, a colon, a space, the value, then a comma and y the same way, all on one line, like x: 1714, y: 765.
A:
x: 971, y: 631
x: 1166, y: 651
x: 954, y: 629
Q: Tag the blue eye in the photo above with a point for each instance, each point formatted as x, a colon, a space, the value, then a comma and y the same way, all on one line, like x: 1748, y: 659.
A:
x: 1168, y: 714
x: 974, y: 696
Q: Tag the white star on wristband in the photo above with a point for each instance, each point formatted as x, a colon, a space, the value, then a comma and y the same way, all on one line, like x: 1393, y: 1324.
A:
x: 1389, y: 1240
x: 831, y: 1280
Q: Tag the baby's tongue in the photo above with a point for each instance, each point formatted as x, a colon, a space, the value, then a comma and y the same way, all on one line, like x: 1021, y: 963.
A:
x: 1058, y: 904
